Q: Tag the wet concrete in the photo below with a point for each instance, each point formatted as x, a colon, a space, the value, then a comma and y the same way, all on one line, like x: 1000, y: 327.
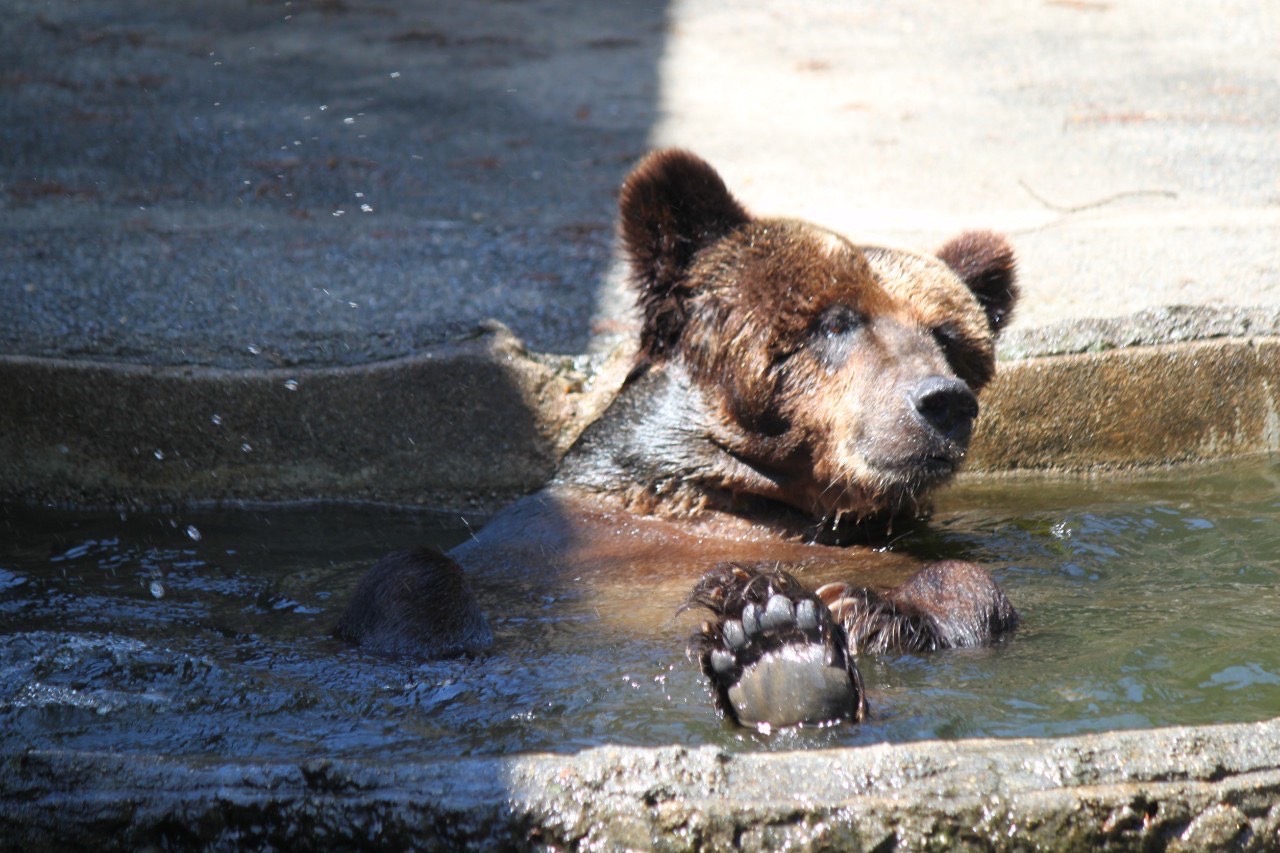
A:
x: 471, y: 423
x: 1212, y: 787
x: 249, y: 184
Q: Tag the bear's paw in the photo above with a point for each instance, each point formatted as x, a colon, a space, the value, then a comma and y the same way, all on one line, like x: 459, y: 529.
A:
x: 417, y: 604
x: 774, y: 655
x: 947, y: 604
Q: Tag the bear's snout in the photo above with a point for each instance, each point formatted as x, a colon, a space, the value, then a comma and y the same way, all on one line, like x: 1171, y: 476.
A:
x: 947, y: 405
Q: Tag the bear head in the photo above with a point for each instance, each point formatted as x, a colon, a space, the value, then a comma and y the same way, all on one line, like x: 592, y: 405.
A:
x: 845, y: 375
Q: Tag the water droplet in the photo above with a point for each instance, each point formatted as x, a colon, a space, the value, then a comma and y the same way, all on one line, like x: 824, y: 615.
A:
x: 159, y: 454
x: 338, y: 212
x: 193, y: 533
x: 157, y: 589
x: 366, y: 208
x: 394, y: 75
x: 291, y: 385
x: 359, y: 195
x: 254, y: 349
x: 216, y: 420
x: 246, y: 448
x: 349, y: 120
x: 352, y: 305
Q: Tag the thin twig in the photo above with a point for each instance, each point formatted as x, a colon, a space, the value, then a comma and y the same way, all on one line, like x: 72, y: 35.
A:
x: 1102, y: 202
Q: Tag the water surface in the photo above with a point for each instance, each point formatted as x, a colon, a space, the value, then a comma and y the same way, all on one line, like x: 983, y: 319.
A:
x: 206, y: 633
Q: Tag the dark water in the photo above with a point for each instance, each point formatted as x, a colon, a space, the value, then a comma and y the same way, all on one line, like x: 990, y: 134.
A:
x: 1145, y: 603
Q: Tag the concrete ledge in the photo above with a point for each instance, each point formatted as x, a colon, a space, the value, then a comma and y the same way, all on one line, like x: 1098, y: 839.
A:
x: 474, y: 421
x: 477, y: 421
x: 1138, y: 407
x: 1178, y: 788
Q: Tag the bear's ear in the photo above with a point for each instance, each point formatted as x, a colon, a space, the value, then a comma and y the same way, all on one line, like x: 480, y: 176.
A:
x: 672, y: 205
x: 984, y: 261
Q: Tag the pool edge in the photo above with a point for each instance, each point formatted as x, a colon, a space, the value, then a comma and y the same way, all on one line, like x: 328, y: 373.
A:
x: 477, y: 421
x: 1189, y: 787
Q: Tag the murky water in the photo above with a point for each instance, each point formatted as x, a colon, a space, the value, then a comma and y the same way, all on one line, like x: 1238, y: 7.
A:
x: 197, y: 634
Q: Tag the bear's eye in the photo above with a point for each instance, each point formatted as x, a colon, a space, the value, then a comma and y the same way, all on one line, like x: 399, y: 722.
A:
x: 834, y: 335
x: 955, y: 349
x: 838, y: 320
x: 947, y: 336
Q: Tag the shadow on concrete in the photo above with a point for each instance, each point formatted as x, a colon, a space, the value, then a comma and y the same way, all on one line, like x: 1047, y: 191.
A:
x: 246, y: 184
x: 206, y: 201
x: 250, y: 244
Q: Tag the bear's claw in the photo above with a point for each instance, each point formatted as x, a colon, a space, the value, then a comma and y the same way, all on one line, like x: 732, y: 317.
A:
x: 774, y: 655
x: 778, y: 655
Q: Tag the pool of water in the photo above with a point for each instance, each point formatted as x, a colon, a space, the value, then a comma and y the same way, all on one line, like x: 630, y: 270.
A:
x: 197, y: 634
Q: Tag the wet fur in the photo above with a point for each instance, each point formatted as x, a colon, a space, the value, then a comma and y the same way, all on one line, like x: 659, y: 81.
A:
x: 793, y: 392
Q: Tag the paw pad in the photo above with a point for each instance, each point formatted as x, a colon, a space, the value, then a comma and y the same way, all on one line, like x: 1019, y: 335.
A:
x: 774, y: 655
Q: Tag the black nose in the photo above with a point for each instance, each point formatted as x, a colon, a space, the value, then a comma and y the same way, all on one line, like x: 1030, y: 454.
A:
x: 947, y: 405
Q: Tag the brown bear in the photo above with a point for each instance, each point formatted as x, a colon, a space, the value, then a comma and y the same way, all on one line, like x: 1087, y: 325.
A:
x: 793, y: 396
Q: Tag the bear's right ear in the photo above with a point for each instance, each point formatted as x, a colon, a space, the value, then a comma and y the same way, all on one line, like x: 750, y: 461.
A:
x: 672, y: 205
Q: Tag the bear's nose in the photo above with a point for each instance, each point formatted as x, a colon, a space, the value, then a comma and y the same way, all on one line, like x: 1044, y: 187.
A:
x: 947, y: 405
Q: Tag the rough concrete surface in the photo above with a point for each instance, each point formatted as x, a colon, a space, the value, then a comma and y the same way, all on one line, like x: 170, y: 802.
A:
x: 475, y: 422
x: 235, y: 183
x: 1213, y: 787
x: 246, y: 184
x: 1139, y: 407
x: 249, y: 249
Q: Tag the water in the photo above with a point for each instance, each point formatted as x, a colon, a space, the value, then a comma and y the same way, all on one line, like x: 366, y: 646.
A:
x: 205, y: 634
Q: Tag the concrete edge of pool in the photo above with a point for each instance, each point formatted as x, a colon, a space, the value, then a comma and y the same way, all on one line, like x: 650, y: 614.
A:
x: 483, y: 419
x: 1209, y: 787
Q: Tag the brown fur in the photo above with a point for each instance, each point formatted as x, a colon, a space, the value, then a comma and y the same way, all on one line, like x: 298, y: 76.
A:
x: 792, y: 388
x: 737, y: 302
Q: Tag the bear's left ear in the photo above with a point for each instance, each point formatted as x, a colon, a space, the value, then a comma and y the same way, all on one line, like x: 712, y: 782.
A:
x: 673, y: 204
x: 984, y: 261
